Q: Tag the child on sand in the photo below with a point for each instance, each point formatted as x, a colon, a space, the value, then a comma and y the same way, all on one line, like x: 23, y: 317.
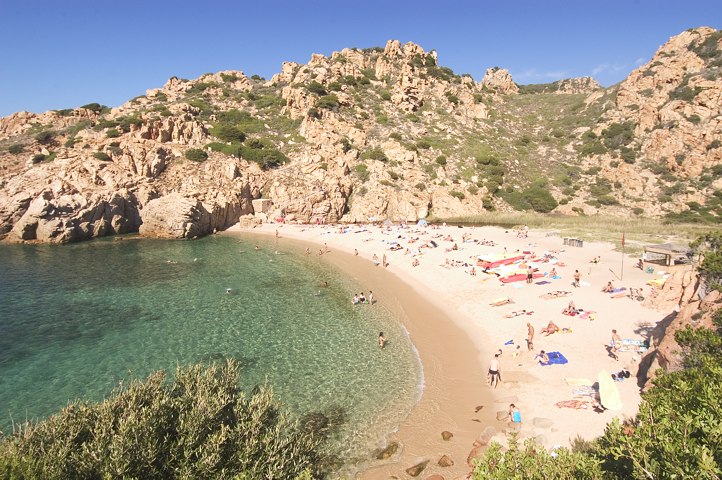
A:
x: 382, y: 340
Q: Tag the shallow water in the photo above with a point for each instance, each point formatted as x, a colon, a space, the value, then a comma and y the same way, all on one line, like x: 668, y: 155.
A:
x: 77, y: 319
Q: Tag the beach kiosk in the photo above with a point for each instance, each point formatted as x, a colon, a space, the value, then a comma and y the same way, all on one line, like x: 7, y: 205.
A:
x: 667, y: 254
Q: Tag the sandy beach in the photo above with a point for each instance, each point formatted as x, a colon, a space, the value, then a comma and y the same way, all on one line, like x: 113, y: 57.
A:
x: 436, y: 285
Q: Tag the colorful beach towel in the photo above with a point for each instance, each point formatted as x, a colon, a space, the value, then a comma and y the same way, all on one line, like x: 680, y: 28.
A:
x: 556, y: 358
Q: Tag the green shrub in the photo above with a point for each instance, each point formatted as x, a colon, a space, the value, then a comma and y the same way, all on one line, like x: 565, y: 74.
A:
x: 95, y: 107
x: 265, y: 157
x: 334, y: 86
x: 46, y: 136
x: 196, y: 154
x: 231, y: 150
x: 637, y: 211
x: 102, y: 156
x: 329, y: 102
x: 196, y: 425
x: 15, y: 148
x: 684, y: 93
x: 229, y: 77
x: 112, y: 133
x: 459, y: 195
x: 228, y: 133
x: 240, y: 119
x: 385, y: 95
x: 375, y: 153
x: 535, y: 197
x: 38, y: 157
x: 396, y: 136
x: 441, y: 160
x: 316, y: 88
x: 362, y: 171
x: 423, y: 144
x: 714, y: 144
x: 452, y: 98
x: 618, y: 135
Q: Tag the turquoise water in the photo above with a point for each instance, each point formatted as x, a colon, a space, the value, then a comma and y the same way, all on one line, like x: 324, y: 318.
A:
x: 77, y: 319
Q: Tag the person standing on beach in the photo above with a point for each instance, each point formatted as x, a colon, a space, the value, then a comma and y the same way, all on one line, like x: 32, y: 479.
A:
x: 494, y: 375
x: 614, y: 345
x: 382, y: 340
x: 529, y: 336
x: 577, y: 279
x: 529, y: 275
x: 514, y: 414
x: 371, y: 297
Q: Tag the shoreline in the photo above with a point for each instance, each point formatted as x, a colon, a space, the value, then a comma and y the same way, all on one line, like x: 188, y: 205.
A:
x: 439, y: 264
x: 452, y: 385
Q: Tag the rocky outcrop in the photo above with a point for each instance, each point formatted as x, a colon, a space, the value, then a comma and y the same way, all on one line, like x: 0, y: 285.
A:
x: 693, y: 308
x: 176, y: 216
x: 57, y: 217
x: 498, y: 80
x: 579, y: 85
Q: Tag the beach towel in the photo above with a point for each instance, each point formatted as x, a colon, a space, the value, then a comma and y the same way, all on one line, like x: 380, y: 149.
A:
x: 516, y: 416
x: 509, y: 342
x: 617, y: 290
x: 556, y: 358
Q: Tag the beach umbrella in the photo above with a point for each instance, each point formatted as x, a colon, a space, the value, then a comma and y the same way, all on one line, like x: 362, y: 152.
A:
x: 608, y: 392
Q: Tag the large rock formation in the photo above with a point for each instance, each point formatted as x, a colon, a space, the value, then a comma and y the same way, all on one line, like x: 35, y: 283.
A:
x: 694, y: 306
x: 366, y: 134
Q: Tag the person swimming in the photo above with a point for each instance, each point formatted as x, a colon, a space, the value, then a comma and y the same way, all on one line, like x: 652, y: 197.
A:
x: 228, y: 291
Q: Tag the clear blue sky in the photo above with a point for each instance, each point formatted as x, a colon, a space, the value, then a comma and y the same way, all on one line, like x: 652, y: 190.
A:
x: 65, y: 53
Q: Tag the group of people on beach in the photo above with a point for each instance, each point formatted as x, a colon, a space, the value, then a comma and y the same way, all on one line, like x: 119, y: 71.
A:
x: 361, y: 298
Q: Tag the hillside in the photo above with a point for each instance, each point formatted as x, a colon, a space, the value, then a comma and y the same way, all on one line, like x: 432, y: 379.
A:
x: 370, y: 134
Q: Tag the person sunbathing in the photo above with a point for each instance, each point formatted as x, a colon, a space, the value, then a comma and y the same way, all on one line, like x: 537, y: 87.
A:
x: 415, y: 263
x: 608, y: 288
x: 542, y: 358
x: 550, y: 329
x: 516, y: 314
x: 571, y: 309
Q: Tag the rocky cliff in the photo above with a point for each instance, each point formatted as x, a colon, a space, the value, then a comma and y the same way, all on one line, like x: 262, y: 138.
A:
x: 365, y: 134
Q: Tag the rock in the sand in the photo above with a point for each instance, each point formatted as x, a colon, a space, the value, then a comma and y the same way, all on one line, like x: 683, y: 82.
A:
x: 502, y: 415
x: 542, y: 422
x: 416, y: 470
x: 478, y: 407
x: 541, y: 440
x: 388, y: 452
x: 435, y: 476
x: 446, y: 435
x: 486, y: 436
x: 445, y: 461
x: 475, y: 453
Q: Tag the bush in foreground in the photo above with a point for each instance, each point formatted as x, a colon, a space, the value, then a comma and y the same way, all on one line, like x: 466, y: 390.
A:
x: 197, y: 425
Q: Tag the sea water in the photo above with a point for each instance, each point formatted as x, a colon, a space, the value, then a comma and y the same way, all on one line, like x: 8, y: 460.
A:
x: 75, y: 320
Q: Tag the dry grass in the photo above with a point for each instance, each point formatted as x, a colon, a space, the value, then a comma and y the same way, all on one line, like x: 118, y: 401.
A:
x: 637, y: 231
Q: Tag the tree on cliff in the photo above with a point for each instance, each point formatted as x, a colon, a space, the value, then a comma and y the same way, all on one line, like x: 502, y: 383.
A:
x: 197, y: 425
x: 676, y: 433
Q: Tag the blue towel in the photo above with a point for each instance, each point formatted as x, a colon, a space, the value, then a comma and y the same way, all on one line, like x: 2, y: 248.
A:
x: 556, y: 358
x: 509, y: 342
